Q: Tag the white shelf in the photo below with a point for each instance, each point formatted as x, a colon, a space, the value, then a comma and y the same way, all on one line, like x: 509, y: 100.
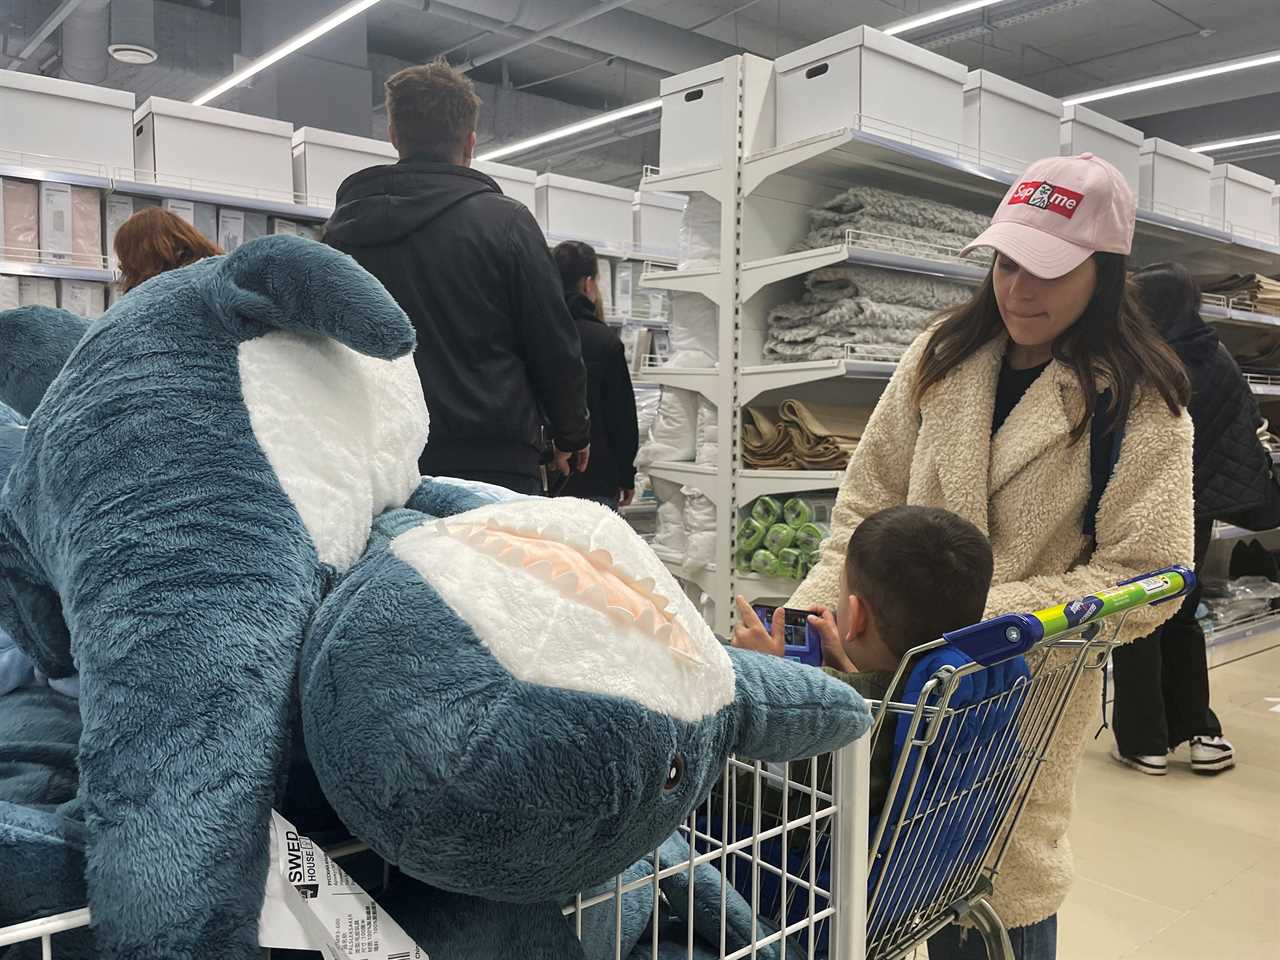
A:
x: 164, y: 191
x: 702, y: 380
x: 696, y: 475
x: 1263, y: 386
x: 706, y: 282
x: 756, y: 274
x: 753, y: 586
x: 757, y: 380
x: 758, y: 483
x: 55, y: 271
x: 956, y: 174
x: 703, y: 577
x: 45, y: 175
x: 1259, y: 633
x: 708, y: 180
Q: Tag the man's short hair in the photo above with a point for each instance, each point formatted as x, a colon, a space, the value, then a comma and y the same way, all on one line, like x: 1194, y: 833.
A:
x: 924, y: 572
x: 433, y: 109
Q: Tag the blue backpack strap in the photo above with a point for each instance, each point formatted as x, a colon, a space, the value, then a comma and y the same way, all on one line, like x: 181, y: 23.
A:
x: 1104, y: 451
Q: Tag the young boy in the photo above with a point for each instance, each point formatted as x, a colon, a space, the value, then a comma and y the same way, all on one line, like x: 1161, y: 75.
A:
x: 911, y: 574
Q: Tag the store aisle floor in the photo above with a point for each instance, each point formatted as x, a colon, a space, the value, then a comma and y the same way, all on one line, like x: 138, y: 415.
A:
x: 1184, y: 866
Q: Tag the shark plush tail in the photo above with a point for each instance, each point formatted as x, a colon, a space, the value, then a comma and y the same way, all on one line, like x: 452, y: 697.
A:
x: 297, y: 285
x: 34, y: 344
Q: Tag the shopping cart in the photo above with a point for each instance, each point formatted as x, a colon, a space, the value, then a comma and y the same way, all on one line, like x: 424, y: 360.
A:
x: 787, y: 861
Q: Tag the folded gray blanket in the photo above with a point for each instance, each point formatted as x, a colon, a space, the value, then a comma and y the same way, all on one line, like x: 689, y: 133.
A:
x: 889, y: 236
x: 887, y: 205
x: 841, y: 282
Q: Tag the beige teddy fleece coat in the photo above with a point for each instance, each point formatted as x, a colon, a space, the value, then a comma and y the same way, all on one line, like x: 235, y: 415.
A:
x: 1027, y: 488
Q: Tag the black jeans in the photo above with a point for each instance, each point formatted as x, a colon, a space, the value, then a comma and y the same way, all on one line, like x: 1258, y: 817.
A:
x: 1037, y: 941
x: 1162, y: 681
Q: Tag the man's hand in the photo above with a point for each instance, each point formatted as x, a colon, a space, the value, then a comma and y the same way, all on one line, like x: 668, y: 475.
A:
x: 626, y: 497
x: 560, y: 461
x: 580, y: 458
x: 750, y: 633
x: 833, y: 652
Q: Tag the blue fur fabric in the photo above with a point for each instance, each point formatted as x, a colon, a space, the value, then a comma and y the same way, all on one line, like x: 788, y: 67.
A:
x: 146, y: 541
x: 37, y: 342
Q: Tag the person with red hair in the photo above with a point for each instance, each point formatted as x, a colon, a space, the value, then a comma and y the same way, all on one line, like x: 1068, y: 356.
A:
x: 153, y: 241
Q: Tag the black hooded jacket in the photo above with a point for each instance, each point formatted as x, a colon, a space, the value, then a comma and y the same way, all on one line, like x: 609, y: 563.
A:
x: 1232, y: 470
x: 615, y: 432
x: 497, y: 351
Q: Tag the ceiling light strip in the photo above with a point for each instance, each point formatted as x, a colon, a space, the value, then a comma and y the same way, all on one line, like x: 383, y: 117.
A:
x: 937, y: 16
x: 573, y: 129
x: 1169, y: 80
x: 1233, y: 144
x: 276, y: 54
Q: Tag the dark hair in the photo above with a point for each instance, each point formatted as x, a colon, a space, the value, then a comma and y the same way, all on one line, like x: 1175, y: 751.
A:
x: 1113, y: 341
x: 153, y: 241
x: 923, y: 571
x: 1171, y: 296
x: 433, y: 110
x: 576, y: 261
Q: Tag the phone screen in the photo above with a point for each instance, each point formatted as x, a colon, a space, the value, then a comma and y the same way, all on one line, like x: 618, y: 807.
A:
x: 802, y: 642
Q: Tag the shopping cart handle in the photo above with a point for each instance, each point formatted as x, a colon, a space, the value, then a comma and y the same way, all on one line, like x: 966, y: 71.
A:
x: 1015, y: 633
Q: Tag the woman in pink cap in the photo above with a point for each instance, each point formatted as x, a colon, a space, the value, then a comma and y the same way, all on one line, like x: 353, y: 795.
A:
x: 1002, y: 413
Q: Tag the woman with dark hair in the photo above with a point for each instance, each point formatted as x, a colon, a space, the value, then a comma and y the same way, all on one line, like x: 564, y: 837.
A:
x: 1162, y: 680
x: 610, y: 477
x: 153, y: 241
x: 1005, y: 412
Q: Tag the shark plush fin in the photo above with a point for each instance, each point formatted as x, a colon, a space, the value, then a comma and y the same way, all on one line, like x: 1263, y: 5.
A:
x: 297, y: 285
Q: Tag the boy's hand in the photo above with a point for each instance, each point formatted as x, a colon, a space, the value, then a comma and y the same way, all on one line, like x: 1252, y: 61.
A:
x: 833, y: 652
x: 750, y: 633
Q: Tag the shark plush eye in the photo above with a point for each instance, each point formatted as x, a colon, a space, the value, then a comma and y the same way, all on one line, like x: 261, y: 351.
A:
x: 675, y: 776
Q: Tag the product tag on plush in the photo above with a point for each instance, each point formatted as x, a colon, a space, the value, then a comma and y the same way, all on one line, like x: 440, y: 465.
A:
x: 311, y: 904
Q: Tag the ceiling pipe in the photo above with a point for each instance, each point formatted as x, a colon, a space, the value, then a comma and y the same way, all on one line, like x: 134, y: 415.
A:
x: 85, y: 35
x: 546, y: 32
x: 51, y: 23
x: 448, y: 11
x: 133, y: 31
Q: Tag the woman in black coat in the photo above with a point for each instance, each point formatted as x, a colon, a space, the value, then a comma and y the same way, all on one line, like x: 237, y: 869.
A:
x: 1162, y: 681
x: 610, y: 477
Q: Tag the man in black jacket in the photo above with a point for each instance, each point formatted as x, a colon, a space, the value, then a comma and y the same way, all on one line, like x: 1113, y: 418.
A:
x: 497, y: 351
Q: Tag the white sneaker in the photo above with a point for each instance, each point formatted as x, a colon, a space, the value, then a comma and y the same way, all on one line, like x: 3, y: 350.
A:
x: 1151, y: 766
x: 1211, y: 755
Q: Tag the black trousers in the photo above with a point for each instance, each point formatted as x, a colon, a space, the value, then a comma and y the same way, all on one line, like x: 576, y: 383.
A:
x: 1162, y: 681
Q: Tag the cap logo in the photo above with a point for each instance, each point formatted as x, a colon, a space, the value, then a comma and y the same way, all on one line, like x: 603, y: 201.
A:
x: 1046, y: 196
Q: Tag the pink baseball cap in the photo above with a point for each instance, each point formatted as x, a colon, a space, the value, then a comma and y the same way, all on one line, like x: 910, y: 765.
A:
x: 1061, y: 211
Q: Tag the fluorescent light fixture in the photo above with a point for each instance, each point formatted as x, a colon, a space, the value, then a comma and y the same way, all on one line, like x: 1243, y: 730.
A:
x: 1170, y: 79
x: 573, y: 129
x: 276, y: 54
x: 1232, y: 144
x: 937, y: 16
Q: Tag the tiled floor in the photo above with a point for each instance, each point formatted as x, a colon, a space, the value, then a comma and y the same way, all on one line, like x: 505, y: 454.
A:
x: 1184, y: 866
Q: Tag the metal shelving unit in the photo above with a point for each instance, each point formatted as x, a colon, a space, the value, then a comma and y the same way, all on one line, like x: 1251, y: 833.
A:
x: 765, y: 192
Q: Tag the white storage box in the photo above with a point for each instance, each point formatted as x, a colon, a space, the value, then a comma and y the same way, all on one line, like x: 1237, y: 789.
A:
x: 1174, y: 180
x: 657, y: 218
x: 58, y: 118
x: 55, y: 222
x: 1007, y: 125
x: 322, y: 159
x: 516, y: 182
x: 690, y: 130
x: 571, y: 209
x: 1242, y: 199
x: 216, y: 150
x: 868, y: 79
x: 1087, y: 131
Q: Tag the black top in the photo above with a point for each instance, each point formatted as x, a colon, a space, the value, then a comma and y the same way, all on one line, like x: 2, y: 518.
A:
x: 1009, y: 390
x: 615, y: 434
x: 497, y: 351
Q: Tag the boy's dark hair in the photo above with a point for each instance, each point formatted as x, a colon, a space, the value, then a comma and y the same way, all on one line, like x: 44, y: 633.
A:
x: 923, y: 571
x: 433, y: 110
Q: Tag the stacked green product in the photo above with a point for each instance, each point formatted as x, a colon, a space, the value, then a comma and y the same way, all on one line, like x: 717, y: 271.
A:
x: 781, y: 539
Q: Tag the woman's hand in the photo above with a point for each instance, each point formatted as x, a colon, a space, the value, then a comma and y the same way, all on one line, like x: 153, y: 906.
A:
x: 750, y: 632
x: 833, y: 652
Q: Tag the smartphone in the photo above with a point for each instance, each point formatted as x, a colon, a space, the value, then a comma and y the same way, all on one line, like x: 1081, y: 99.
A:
x: 802, y: 642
